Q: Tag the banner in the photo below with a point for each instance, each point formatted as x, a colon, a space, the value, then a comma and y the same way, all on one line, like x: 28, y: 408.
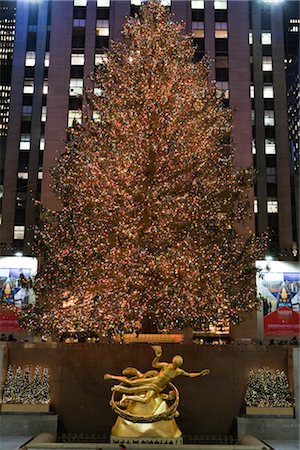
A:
x: 278, y: 285
x: 8, y: 320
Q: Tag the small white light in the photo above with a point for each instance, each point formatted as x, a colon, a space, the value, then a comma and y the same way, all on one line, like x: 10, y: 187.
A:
x: 19, y: 254
x: 269, y: 258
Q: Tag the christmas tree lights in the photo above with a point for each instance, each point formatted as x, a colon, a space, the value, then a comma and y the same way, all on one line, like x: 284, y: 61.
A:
x: 150, y: 198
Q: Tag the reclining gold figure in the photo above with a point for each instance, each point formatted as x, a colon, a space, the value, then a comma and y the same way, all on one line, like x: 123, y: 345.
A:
x: 143, y: 410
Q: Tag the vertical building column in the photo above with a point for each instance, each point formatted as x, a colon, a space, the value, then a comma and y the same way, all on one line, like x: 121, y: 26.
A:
x: 118, y: 10
x: 58, y: 93
x: 261, y: 179
x: 30, y: 218
x: 281, y: 131
x: 181, y: 11
x: 209, y: 34
x: 89, y: 49
x: 13, y: 137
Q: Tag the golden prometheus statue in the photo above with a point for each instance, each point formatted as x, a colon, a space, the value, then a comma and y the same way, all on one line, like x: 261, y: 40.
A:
x: 149, y: 401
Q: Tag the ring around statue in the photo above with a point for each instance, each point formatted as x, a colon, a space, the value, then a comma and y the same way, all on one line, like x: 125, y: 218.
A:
x: 149, y: 401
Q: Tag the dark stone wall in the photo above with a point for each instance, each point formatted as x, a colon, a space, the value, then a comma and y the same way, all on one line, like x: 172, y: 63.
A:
x: 208, y: 404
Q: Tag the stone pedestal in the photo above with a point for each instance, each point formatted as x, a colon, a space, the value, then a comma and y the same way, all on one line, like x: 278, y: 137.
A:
x: 279, y: 428
x: 27, y: 424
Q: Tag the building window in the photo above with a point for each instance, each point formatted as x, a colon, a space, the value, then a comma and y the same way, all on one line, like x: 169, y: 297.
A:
x: 80, y: 2
x: 266, y: 38
x: 272, y: 206
x: 28, y: 87
x: 96, y: 116
x: 25, y: 142
x: 220, y: 4
x: 79, y: 23
x: 165, y: 2
x: 198, y: 29
x: 47, y: 59
x: 19, y: 232
x: 40, y: 175
x: 255, y: 206
x: 252, y: 91
x: 252, y: 117
x: 250, y: 38
x: 197, y: 4
x: 45, y: 87
x: 76, y: 86
x: 30, y: 59
x: 77, y: 59
x: 269, y: 118
x: 42, y: 143
x: 102, y: 28
x: 270, y: 147
x: 267, y: 65
x: 223, y: 88
x: 271, y: 175
x: 23, y: 175
x: 74, y: 115
x: 100, y: 59
x: 44, y: 114
x: 136, y: 2
x: 268, y: 92
x: 221, y: 30
x: 253, y: 145
x: 27, y: 110
x: 103, y: 3
x: 98, y: 91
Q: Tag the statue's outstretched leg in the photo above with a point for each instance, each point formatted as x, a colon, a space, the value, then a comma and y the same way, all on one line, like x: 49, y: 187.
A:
x: 136, y: 398
x: 134, y: 389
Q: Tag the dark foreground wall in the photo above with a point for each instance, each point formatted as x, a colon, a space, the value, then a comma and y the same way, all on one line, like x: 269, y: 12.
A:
x: 208, y: 404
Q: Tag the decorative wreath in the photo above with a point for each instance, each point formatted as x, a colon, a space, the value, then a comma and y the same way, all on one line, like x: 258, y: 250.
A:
x: 169, y: 414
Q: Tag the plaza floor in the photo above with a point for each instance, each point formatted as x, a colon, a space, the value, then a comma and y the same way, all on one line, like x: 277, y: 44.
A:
x: 15, y: 443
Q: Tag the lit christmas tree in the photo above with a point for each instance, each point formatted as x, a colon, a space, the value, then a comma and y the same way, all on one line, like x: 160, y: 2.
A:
x: 150, y: 198
x: 45, y: 396
x: 37, y: 386
x: 7, y: 394
x: 26, y: 388
x: 18, y: 390
x: 251, y: 392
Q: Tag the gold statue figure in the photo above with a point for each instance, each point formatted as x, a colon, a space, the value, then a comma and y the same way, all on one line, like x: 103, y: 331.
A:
x: 143, y: 410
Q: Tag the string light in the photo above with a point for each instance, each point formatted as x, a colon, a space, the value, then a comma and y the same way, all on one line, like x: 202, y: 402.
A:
x: 149, y: 197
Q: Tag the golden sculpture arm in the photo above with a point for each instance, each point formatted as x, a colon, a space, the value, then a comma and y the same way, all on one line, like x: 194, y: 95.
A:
x: 158, y: 352
x: 196, y: 374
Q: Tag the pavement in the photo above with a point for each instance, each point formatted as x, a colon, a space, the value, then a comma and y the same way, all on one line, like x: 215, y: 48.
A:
x: 15, y: 442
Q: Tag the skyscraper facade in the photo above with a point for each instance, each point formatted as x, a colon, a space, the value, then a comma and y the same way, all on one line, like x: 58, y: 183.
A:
x: 57, y: 46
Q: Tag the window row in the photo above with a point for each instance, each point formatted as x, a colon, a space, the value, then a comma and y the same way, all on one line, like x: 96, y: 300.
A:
x: 272, y: 206
x: 218, y: 4
x: 30, y: 59
x: 268, y: 91
x: 100, y: 3
x: 25, y: 142
x: 265, y: 38
x: 269, y: 145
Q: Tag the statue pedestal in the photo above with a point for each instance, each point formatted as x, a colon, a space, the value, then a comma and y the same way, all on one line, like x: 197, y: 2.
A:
x: 146, y: 440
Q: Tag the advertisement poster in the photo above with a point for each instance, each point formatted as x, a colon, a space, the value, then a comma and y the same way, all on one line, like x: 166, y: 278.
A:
x: 278, y: 285
x: 17, y: 280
